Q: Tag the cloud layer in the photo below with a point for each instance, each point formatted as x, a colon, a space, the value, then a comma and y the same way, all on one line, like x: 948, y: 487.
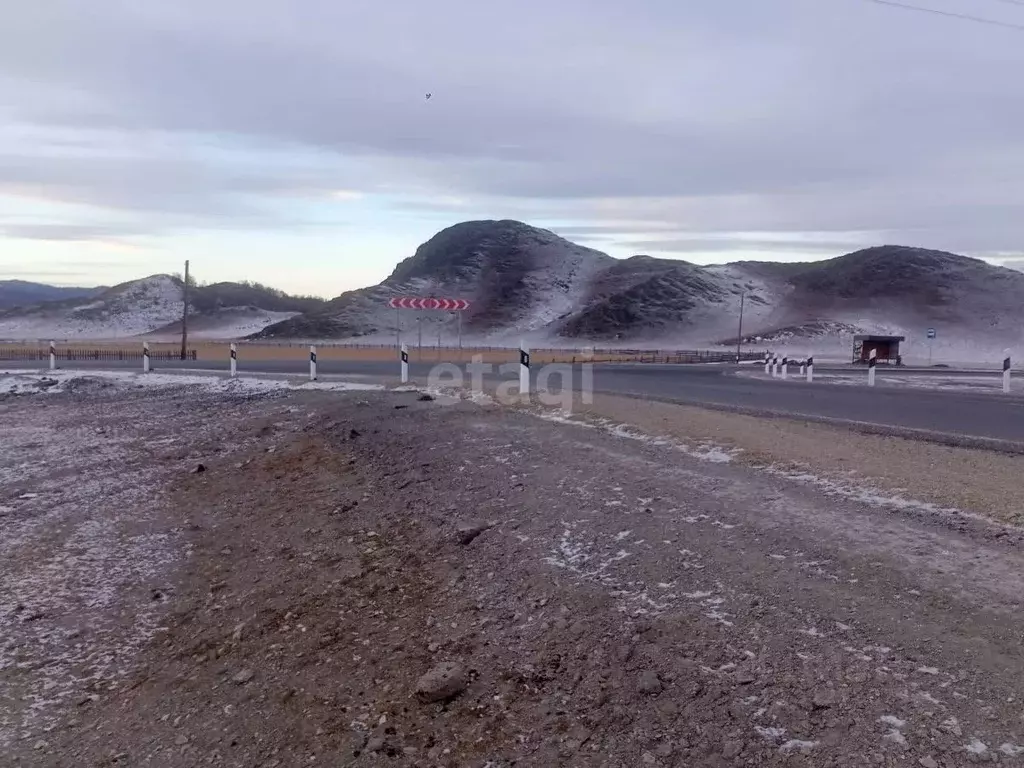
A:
x: 680, y: 119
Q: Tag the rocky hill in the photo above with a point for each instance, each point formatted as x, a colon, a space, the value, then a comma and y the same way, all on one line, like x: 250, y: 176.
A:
x: 152, y: 306
x: 520, y: 279
x: 525, y: 281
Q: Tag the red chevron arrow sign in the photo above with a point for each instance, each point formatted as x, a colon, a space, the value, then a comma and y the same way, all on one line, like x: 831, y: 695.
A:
x: 417, y: 302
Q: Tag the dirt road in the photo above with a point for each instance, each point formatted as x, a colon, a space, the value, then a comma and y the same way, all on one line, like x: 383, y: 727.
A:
x: 600, y: 598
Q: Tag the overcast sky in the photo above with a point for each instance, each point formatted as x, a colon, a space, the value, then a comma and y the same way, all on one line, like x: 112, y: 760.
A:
x: 290, y: 141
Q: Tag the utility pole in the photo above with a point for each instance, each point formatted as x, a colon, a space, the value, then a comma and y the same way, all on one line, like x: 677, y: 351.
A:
x: 419, y: 344
x: 184, y: 317
x: 739, y: 334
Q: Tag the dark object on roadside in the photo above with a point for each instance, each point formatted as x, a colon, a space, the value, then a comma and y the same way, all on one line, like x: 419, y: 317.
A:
x: 353, y: 434
x: 199, y: 469
x: 401, y: 407
x: 425, y: 398
x: 443, y: 682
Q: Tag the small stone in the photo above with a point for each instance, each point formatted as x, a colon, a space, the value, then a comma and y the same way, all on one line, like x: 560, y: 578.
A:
x: 376, y: 744
x: 745, y: 676
x: 236, y: 636
x: 650, y: 683
x: 243, y: 677
x: 353, y: 434
x: 825, y: 698
x: 200, y: 468
x: 732, y: 749
x: 648, y: 759
x: 181, y: 741
x: 40, y: 745
x: 443, y: 682
x: 226, y: 551
x: 928, y: 762
x: 467, y: 532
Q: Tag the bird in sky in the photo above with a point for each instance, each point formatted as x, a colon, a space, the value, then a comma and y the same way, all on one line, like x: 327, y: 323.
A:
x: 429, y: 95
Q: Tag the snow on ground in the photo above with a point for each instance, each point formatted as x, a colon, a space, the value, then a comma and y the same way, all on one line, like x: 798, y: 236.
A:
x: 35, y: 382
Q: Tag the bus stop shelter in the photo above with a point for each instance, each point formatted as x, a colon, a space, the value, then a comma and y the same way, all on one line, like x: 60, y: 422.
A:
x: 887, y: 349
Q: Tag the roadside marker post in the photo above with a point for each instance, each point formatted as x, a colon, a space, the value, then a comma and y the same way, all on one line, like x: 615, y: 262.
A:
x: 234, y: 361
x: 767, y: 363
x: 775, y: 365
x: 803, y: 367
x: 145, y: 357
x: 1006, y: 370
x: 312, y: 362
x: 403, y: 356
x: 53, y: 356
x: 810, y: 370
x: 785, y: 368
x: 524, y: 369
x: 872, y: 362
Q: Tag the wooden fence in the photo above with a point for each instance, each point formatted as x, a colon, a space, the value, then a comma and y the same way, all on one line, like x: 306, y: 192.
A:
x: 98, y: 355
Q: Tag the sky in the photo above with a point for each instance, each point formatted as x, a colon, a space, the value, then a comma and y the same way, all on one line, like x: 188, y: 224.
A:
x: 292, y: 141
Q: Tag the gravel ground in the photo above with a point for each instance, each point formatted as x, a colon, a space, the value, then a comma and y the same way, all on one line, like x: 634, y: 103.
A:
x: 368, y: 578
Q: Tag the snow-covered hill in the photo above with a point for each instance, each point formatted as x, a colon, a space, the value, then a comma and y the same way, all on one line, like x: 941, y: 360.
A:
x: 152, y: 307
x: 528, y: 282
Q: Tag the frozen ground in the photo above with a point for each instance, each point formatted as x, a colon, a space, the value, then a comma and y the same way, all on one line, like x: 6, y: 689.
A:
x: 983, y: 383
x: 639, y: 584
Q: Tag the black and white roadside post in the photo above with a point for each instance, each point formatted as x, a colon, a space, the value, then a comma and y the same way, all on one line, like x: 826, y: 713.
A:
x: 775, y: 364
x: 872, y: 363
x: 234, y: 360
x: 403, y: 356
x: 53, y: 356
x: 1006, y: 370
x: 785, y: 367
x: 767, y: 363
x: 524, y: 369
x: 145, y: 357
x: 312, y: 362
x: 810, y: 369
x: 803, y: 366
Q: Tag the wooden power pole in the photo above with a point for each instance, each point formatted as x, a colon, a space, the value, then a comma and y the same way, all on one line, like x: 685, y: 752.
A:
x: 184, y: 317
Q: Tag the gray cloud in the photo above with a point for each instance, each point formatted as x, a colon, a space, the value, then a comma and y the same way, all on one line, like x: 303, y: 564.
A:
x: 791, y: 116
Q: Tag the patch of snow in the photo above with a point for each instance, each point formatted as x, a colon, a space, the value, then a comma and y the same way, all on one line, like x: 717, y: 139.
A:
x: 976, y: 747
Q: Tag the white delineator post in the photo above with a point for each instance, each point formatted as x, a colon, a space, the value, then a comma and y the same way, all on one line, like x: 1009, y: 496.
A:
x: 403, y: 356
x: 767, y: 363
x: 872, y: 362
x: 312, y: 362
x: 234, y: 361
x: 785, y: 368
x: 53, y: 356
x: 810, y: 370
x: 1006, y: 370
x: 145, y: 357
x: 524, y: 369
x: 775, y: 365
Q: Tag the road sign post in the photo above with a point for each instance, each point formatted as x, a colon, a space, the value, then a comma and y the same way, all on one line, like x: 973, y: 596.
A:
x: 312, y: 363
x: 145, y: 357
x: 931, y: 340
x: 404, y: 358
x: 398, y: 303
x: 1006, y: 370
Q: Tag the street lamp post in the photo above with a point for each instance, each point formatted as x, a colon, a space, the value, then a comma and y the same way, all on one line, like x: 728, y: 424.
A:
x: 739, y: 333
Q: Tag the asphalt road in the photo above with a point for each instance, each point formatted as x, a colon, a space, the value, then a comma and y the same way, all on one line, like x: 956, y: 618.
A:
x: 976, y: 415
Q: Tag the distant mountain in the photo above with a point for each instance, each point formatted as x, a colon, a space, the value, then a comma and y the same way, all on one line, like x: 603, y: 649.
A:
x: 525, y: 281
x: 20, y: 293
x: 153, y: 306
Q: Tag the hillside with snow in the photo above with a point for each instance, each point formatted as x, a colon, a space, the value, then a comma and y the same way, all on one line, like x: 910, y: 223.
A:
x: 530, y: 283
x: 152, y: 308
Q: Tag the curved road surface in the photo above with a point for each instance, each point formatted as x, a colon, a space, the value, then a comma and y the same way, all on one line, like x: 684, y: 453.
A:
x: 994, y: 416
